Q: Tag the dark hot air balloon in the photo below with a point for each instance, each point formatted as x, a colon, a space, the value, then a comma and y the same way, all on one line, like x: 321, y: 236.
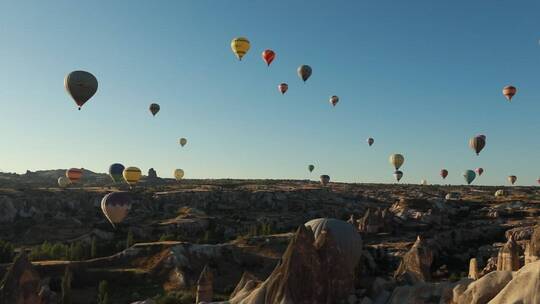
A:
x: 81, y: 86
x: 479, y: 171
x: 477, y: 143
x: 283, y: 87
x: 444, y: 173
x: 116, y: 206
x: 116, y: 171
x: 370, y: 141
x: 304, y: 72
x: 154, y: 108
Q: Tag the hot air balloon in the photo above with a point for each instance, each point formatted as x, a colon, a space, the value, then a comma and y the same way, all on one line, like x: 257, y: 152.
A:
x: 132, y: 175
x: 240, y: 46
x: 500, y: 193
x: 74, y: 174
x: 509, y: 92
x: 469, y: 176
x: 398, y: 175
x: 444, y: 173
x: 304, y: 71
x: 311, y: 168
x: 370, y: 141
x: 116, y: 206
x: 397, y: 160
x: 477, y: 143
x: 268, y: 56
x: 334, y: 100
x: 116, y: 171
x: 479, y: 171
x: 183, y: 141
x: 325, y: 179
x: 283, y: 87
x: 178, y: 174
x: 512, y: 179
x: 154, y: 109
x: 81, y: 86
x: 63, y: 182
x: 423, y: 182
x: 538, y: 180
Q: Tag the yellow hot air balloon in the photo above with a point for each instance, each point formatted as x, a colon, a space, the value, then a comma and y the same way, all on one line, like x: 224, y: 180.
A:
x: 178, y: 174
x: 240, y: 46
x: 183, y: 141
x: 396, y: 160
x: 132, y: 175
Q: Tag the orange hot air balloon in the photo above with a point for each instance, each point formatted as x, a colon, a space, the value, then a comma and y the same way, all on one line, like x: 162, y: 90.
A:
x: 283, y: 87
x: 74, y: 174
x: 268, y: 56
x: 509, y: 92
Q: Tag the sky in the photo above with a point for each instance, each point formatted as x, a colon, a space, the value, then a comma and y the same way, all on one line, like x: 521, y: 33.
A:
x: 420, y: 77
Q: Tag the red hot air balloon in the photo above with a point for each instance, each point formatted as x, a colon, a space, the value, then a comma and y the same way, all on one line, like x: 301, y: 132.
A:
x: 509, y: 92
x: 268, y: 56
x: 479, y: 171
x: 444, y: 173
x: 74, y: 174
x: 283, y: 87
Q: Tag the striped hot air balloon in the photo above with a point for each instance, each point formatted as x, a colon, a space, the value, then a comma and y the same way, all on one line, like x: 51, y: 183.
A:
x: 178, y: 174
x: 304, y: 72
x: 132, y: 175
x: 509, y: 92
x: 240, y: 46
x: 477, y: 143
x: 74, y: 175
x: 397, y: 160
x: 116, y: 206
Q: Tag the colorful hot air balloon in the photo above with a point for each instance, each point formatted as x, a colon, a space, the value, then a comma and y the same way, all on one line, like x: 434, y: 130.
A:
x: 512, y: 179
x: 500, y: 193
x: 154, y: 109
x: 116, y: 171
x: 398, y: 175
x: 444, y: 173
x: 334, y: 100
x: 116, y: 206
x: 283, y: 87
x: 469, y: 176
x: 311, y: 168
x: 74, y: 174
x: 304, y: 71
x: 509, y: 92
x: 132, y: 175
x: 370, y: 141
x: 477, y: 143
x: 178, y: 174
x: 325, y: 179
x: 397, y: 160
x: 63, y: 182
x: 268, y: 56
x: 479, y: 171
x: 183, y: 141
x: 240, y: 46
x: 81, y: 86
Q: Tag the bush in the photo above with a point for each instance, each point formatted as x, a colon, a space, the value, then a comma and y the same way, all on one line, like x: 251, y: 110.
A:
x: 6, y: 252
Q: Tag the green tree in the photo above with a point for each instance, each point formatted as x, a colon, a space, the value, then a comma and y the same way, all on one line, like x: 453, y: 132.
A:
x: 6, y: 252
x: 93, y: 248
x: 66, y: 287
x: 129, y: 240
x: 103, y: 293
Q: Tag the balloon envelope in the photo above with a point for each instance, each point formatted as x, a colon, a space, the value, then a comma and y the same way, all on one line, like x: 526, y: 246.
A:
x: 477, y: 143
x: 283, y: 87
x: 178, y: 174
x: 479, y: 171
x: 500, y: 193
x: 304, y: 72
x: 370, y: 141
x: 325, y: 179
x: 397, y: 160
x: 116, y: 206
x: 63, y: 182
x: 334, y: 100
x: 154, y: 108
x: 74, y: 174
x: 268, y: 56
x: 444, y: 173
x: 469, y: 176
x: 512, y: 179
x: 81, y: 85
x: 132, y: 175
x: 240, y: 47
x: 115, y: 172
x: 311, y: 168
x: 183, y: 141
x: 509, y: 92
x: 398, y: 175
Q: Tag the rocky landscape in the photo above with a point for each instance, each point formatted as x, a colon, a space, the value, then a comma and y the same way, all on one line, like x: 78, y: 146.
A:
x: 245, y: 241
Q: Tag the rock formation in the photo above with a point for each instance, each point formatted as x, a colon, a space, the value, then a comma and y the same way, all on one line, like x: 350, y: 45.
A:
x: 152, y: 173
x: 416, y: 263
x: 21, y: 283
x: 205, y: 291
x: 508, y: 258
x: 473, y: 269
x: 371, y: 222
x: 312, y: 270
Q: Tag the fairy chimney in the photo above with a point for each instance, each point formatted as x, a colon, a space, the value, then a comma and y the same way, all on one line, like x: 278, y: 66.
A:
x: 473, y: 269
x: 205, y: 291
x: 508, y: 258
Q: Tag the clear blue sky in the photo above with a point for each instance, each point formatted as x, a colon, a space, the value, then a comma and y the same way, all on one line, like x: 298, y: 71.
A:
x: 421, y: 77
